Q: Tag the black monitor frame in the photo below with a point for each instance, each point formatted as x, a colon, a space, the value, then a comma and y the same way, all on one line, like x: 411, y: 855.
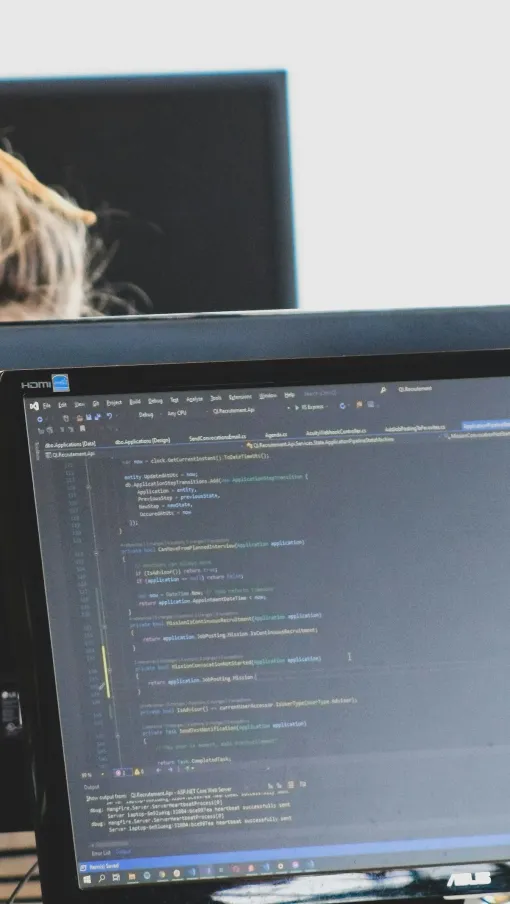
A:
x: 281, y: 260
x: 30, y: 622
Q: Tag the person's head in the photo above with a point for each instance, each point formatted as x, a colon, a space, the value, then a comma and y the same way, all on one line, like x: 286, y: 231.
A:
x: 44, y: 249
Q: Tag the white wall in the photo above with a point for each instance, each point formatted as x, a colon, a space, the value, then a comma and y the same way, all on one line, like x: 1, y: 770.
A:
x: 400, y: 115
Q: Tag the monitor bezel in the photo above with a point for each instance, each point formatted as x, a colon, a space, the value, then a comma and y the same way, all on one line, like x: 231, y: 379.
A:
x: 29, y: 620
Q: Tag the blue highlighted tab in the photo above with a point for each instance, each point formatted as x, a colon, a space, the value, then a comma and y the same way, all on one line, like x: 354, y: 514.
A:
x: 499, y: 424
x: 60, y: 382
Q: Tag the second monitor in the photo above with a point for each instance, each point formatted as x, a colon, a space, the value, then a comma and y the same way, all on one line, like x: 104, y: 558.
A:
x: 191, y: 173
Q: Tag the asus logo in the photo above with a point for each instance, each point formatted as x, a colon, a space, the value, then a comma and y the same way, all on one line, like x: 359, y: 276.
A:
x: 42, y: 384
x: 463, y: 879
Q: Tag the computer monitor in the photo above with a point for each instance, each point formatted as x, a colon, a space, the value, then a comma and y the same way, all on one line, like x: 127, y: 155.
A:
x: 191, y: 172
x: 181, y: 338
x: 267, y: 610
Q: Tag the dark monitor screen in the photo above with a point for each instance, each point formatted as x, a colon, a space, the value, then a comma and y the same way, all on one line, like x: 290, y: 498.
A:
x: 279, y: 623
x: 190, y: 176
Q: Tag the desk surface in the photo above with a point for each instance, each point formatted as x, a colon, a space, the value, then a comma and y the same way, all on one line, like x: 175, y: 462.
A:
x: 17, y: 854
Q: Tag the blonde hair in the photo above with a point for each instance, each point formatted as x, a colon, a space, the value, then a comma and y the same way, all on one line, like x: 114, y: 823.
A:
x: 45, y: 249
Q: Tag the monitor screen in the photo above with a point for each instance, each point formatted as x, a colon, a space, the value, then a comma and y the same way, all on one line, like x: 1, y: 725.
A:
x: 190, y: 175
x: 279, y: 623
